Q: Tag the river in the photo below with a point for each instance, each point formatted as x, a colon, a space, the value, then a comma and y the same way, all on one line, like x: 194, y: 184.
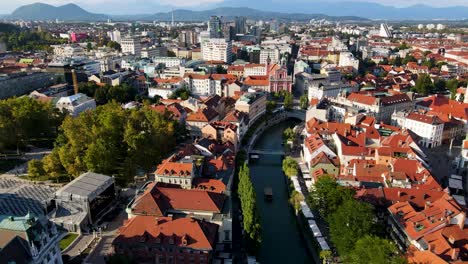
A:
x: 282, y: 242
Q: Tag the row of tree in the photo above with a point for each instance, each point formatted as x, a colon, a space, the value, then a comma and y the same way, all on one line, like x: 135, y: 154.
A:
x: 123, y: 93
x: 251, y: 219
x: 354, y: 230
x: 109, y: 140
x: 24, y: 120
x: 26, y: 40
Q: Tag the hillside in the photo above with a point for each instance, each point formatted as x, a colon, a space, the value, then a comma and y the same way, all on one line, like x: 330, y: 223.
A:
x: 40, y: 11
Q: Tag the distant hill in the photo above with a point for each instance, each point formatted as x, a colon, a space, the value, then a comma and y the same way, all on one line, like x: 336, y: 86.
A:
x: 72, y: 12
x: 356, y: 8
x: 230, y: 12
x: 69, y: 12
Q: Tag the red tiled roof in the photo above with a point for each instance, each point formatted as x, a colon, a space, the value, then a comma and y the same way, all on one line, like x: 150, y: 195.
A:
x: 181, y: 232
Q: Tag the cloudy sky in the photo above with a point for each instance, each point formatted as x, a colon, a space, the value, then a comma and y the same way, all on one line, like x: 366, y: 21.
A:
x: 148, y: 6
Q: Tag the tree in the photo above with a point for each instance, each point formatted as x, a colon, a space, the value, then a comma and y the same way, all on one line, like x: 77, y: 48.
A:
x: 289, y: 135
x: 52, y: 165
x: 24, y: 119
x: 89, y: 46
x: 452, y: 86
x: 424, y: 85
x: 430, y: 63
x: 295, y: 199
x: 114, y: 45
x: 304, y: 102
x: 220, y: 69
x: 397, y: 61
x: 288, y: 101
x: 326, y: 195
x: 351, y: 221
x: 290, y: 167
x: 374, y: 250
x: 250, y: 218
x: 270, y: 106
x: 440, y: 85
x: 409, y: 58
x: 35, y: 168
x: 114, y: 141
x: 325, y: 255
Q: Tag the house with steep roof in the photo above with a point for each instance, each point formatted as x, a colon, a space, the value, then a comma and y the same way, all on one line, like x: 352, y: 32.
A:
x: 29, y: 239
x: 149, y: 239
x: 197, y: 120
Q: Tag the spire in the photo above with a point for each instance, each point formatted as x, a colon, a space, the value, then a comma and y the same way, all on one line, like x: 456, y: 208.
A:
x: 172, y: 21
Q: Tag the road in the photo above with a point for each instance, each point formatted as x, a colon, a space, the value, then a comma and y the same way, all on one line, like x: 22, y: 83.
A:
x: 104, y: 247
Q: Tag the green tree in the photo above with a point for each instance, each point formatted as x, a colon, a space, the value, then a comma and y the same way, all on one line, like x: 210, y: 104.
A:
x: 270, y: 106
x: 452, y: 86
x: 440, y: 85
x: 325, y: 256
x: 409, y: 58
x: 35, y: 168
x: 288, y: 101
x: 89, y: 46
x: 351, y: 221
x: 114, y: 45
x: 250, y: 218
x: 397, y: 61
x: 424, y: 85
x: 374, y: 250
x: 289, y: 135
x: 220, y: 69
x: 430, y: 63
x: 326, y: 195
x: 295, y: 199
x: 114, y: 141
x: 290, y: 167
x: 304, y: 102
x: 52, y: 166
x: 24, y: 119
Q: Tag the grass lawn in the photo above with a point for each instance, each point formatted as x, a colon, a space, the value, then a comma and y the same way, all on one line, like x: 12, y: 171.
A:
x: 67, y: 240
x: 6, y: 165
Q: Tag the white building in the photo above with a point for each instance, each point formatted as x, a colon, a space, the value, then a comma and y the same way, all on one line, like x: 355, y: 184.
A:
x: 165, y: 88
x: 200, y: 85
x: 115, y: 36
x: 428, y: 128
x: 75, y: 104
x: 348, y: 59
x: 169, y: 62
x: 217, y: 49
x: 255, y: 70
x: 273, y: 54
x: 385, y: 31
x: 131, y: 45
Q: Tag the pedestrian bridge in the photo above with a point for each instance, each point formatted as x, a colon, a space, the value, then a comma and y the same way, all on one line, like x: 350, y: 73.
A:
x: 266, y: 152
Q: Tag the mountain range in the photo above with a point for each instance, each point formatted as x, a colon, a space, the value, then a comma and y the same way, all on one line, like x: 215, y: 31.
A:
x: 258, y: 9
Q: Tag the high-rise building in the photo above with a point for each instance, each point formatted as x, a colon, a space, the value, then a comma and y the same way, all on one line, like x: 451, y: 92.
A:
x: 385, y: 31
x: 115, y: 36
x: 215, y: 27
x: 240, y: 25
x: 131, y: 44
x: 217, y: 49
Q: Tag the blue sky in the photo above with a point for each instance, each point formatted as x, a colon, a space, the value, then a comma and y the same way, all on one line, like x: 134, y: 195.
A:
x: 150, y: 6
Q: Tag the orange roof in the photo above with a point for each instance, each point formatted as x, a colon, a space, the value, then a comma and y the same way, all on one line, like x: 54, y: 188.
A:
x: 158, y: 200
x: 257, y: 81
x: 181, y: 232
x: 174, y: 169
x: 211, y: 185
x: 202, y: 115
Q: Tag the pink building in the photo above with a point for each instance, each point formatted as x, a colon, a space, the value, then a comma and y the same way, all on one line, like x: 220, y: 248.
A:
x: 77, y: 37
x: 279, y: 78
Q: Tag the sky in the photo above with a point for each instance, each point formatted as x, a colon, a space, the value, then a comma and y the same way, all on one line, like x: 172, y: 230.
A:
x: 150, y: 6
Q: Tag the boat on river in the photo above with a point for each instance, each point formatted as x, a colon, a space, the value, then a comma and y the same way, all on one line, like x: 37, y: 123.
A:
x: 268, y: 191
